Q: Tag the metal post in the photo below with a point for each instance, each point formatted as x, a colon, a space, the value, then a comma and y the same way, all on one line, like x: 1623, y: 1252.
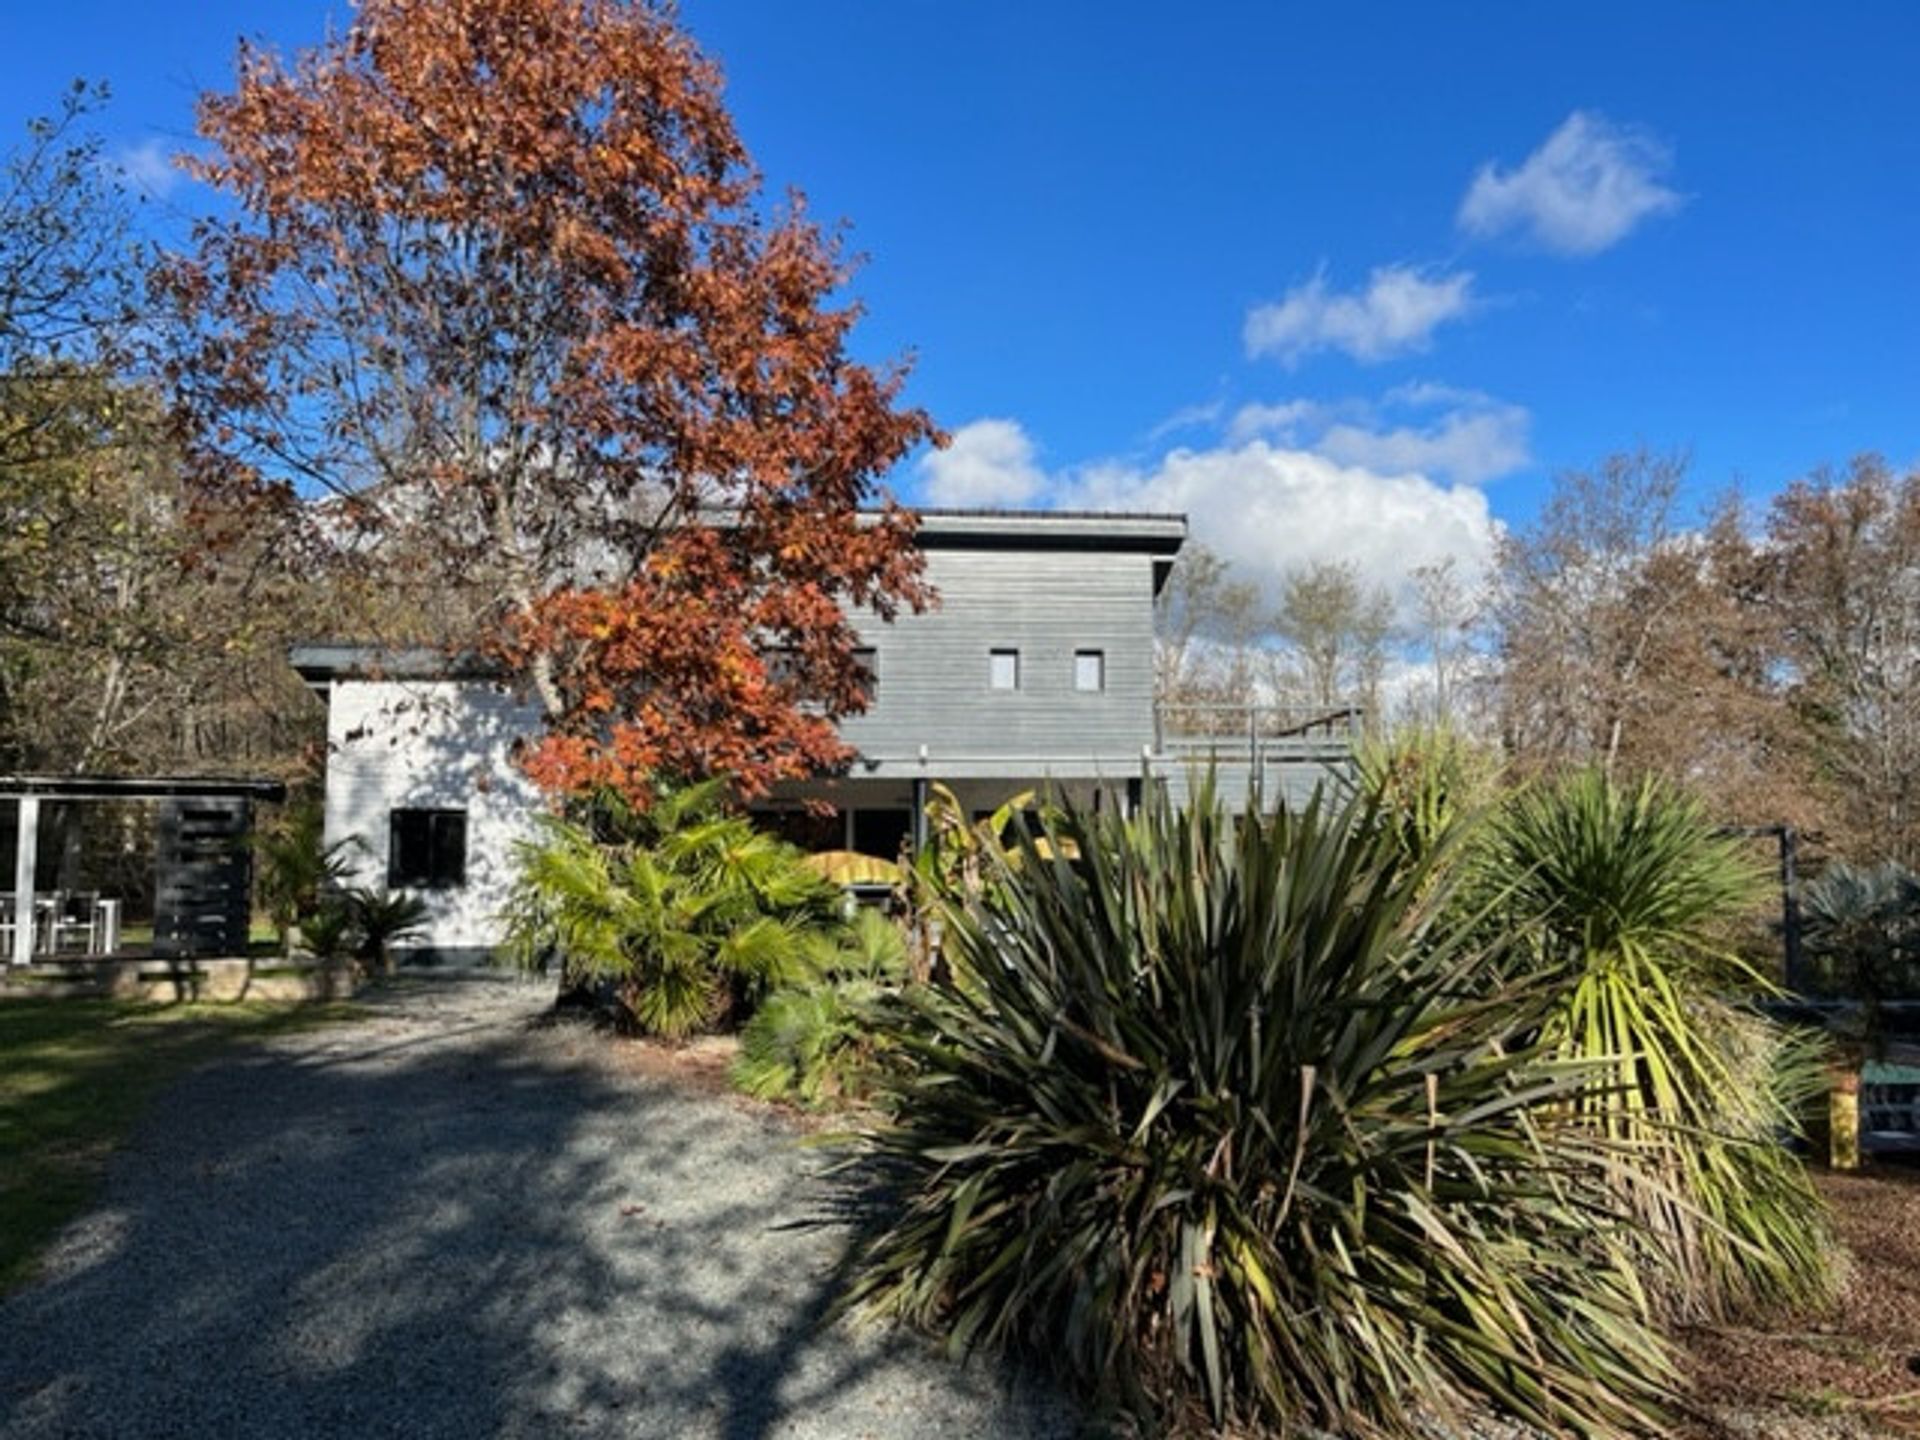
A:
x: 920, y: 798
x: 1256, y: 782
x: 1790, y: 905
x: 27, y: 840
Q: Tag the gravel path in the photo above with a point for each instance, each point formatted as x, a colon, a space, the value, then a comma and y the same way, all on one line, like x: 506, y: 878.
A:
x: 445, y: 1220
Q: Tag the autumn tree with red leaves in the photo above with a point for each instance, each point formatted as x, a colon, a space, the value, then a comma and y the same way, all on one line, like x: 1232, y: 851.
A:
x: 494, y: 281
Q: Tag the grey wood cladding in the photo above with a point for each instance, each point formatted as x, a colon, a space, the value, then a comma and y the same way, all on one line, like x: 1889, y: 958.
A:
x: 934, y: 673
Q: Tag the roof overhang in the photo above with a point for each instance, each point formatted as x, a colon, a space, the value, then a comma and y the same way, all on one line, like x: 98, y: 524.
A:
x: 142, y: 787
x: 321, y: 661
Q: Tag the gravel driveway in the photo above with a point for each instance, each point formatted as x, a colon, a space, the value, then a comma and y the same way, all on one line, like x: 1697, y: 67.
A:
x: 446, y: 1220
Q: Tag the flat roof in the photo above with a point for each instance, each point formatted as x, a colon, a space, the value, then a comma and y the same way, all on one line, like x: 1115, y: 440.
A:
x: 142, y: 787
x: 1155, y: 533
x: 322, y: 660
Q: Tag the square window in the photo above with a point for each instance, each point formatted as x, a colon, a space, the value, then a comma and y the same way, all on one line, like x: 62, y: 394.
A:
x: 1089, y: 669
x: 1003, y: 669
x: 427, y: 849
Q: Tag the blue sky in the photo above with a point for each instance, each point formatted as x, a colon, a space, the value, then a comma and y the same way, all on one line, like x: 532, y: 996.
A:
x: 1348, y: 280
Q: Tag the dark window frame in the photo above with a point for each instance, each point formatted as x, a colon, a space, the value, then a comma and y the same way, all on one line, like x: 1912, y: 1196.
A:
x: 432, y: 858
x: 1099, y: 657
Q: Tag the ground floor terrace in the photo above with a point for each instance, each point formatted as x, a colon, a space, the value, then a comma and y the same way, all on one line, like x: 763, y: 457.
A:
x: 112, y: 880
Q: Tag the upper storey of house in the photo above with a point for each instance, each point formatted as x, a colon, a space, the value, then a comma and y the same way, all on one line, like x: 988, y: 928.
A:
x: 1040, y: 648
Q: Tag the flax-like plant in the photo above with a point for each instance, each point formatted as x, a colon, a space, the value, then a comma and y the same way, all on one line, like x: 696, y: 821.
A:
x: 686, y: 909
x: 1232, y: 1121
x: 1620, y: 891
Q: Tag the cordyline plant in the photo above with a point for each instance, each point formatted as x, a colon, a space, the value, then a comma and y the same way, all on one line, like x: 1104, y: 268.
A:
x: 491, y: 276
x: 1235, y: 1121
x: 1618, y: 890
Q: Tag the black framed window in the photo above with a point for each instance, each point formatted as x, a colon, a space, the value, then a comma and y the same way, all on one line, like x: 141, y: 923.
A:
x: 1089, y: 670
x: 427, y: 849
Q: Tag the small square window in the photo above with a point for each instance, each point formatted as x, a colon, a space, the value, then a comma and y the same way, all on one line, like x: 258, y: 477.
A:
x: 1089, y: 669
x: 1003, y: 669
x: 427, y: 850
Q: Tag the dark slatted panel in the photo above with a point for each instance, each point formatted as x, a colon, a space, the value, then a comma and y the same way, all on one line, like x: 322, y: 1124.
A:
x: 204, y: 870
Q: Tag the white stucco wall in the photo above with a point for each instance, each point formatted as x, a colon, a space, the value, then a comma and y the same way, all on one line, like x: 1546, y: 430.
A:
x: 441, y: 744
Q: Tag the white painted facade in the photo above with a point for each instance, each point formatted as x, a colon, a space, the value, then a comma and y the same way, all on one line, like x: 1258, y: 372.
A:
x: 432, y: 744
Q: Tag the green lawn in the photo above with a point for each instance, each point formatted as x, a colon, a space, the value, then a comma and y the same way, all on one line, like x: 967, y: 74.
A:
x: 75, y: 1075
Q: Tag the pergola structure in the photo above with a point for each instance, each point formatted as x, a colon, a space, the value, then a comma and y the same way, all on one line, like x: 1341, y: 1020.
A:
x: 202, y: 862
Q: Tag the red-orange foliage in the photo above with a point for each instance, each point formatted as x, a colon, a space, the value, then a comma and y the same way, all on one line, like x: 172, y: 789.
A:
x: 495, y: 279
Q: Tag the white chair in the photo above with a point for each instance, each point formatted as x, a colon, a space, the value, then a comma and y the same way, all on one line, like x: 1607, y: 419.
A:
x: 76, y: 914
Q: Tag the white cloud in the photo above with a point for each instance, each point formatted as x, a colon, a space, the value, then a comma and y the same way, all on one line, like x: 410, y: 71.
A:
x: 1424, y: 428
x: 1397, y: 312
x: 988, y: 462
x: 148, y: 167
x: 1268, y: 509
x: 1469, y: 446
x: 1282, y: 421
x: 1586, y: 188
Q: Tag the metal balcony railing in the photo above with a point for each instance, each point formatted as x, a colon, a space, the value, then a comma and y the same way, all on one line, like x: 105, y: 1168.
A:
x: 1231, y: 731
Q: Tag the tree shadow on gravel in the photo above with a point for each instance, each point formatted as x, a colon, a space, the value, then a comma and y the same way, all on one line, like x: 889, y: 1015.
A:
x: 424, y: 1226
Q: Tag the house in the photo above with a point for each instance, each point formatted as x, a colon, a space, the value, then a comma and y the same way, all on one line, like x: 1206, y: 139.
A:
x: 1035, y: 669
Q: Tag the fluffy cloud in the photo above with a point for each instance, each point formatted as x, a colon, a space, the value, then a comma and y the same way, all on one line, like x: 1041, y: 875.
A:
x: 1268, y: 509
x: 989, y: 462
x: 1467, y: 437
x: 1586, y: 188
x: 1397, y: 312
x: 148, y: 167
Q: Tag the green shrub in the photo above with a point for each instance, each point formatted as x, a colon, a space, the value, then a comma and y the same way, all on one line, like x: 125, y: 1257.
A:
x: 380, y: 920
x: 1862, y: 933
x: 1620, y: 891
x: 297, y: 869
x: 685, y: 910
x: 813, y: 1041
x: 1231, y: 1121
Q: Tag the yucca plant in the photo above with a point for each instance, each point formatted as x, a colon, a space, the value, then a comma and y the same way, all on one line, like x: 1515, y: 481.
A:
x: 685, y: 909
x: 813, y: 1041
x: 1620, y: 892
x: 1233, y: 1123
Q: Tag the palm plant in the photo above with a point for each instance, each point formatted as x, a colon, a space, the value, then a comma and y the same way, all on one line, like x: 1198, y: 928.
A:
x: 1620, y: 892
x: 1862, y: 932
x: 1230, y: 1117
x: 297, y: 869
x: 686, y: 910
x: 380, y: 920
x: 813, y: 1041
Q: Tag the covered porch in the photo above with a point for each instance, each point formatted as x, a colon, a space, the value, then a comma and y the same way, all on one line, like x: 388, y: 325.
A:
x: 107, y: 868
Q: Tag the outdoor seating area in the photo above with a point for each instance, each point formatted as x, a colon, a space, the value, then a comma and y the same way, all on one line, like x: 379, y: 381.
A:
x: 76, y: 922
x: 111, y: 867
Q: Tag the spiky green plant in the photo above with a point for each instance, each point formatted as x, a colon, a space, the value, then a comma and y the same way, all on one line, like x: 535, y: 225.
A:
x: 1620, y: 891
x: 813, y: 1041
x: 1862, y: 933
x: 685, y: 909
x: 296, y: 869
x: 1232, y: 1121
x: 382, y: 919
x: 1426, y: 784
x: 328, y: 931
